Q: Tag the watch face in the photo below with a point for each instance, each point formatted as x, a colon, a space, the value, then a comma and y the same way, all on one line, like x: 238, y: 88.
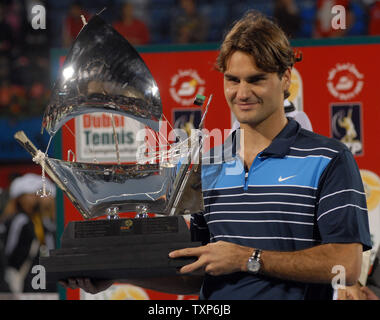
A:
x: 253, y: 266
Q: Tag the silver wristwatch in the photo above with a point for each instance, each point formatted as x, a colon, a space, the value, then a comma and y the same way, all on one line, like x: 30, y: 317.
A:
x: 254, y: 262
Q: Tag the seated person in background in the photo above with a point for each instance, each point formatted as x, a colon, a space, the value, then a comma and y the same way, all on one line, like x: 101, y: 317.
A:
x: 287, y: 14
x: 189, y: 26
x: 134, y: 30
x: 73, y: 23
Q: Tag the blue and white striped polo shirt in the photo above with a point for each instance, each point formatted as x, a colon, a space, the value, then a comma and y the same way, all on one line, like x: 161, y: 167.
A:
x: 301, y: 191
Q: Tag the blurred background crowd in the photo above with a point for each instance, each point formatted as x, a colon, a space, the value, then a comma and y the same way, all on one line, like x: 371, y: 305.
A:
x: 25, y: 81
x: 24, y: 52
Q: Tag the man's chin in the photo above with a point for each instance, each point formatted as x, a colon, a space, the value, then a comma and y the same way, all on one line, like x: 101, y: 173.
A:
x: 246, y: 117
x: 248, y: 121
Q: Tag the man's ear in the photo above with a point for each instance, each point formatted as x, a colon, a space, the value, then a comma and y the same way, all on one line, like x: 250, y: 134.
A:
x: 287, y: 78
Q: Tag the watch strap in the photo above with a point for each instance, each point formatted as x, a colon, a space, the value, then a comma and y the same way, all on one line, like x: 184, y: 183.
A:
x: 256, y: 255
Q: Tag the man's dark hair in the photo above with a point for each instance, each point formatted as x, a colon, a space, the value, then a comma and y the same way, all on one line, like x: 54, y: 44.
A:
x: 261, y: 38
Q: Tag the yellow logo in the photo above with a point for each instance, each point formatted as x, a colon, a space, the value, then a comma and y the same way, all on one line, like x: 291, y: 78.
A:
x: 129, y: 292
x: 371, y: 183
x: 127, y: 224
x: 296, y: 90
x: 185, y: 85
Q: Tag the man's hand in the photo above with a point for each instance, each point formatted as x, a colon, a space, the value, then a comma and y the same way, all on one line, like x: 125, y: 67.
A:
x: 215, y: 258
x: 351, y: 293
x: 356, y: 292
x: 88, y: 285
x: 370, y: 295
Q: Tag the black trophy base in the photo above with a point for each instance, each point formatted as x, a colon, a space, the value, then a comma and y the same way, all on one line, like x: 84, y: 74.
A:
x: 119, y: 249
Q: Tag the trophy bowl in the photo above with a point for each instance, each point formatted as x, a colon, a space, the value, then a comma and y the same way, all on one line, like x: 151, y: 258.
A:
x: 104, y: 73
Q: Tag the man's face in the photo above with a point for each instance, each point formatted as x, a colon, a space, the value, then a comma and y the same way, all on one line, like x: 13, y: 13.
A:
x: 252, y: 94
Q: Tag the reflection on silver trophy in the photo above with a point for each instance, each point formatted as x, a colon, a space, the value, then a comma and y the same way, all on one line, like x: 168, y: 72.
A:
x: 104, y: 73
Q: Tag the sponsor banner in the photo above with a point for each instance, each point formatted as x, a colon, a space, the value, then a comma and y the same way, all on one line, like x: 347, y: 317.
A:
x: 95, y: 137
x: 188, y: 74
x: 346, y: 125
x: 371, y: 182
x: 345, y: 82
x: 185, y: 85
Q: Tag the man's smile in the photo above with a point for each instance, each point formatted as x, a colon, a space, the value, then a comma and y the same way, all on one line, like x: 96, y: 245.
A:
x: 247, y: 106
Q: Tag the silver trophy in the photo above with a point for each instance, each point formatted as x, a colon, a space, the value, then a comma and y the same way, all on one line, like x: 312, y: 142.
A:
x: 104, y: 73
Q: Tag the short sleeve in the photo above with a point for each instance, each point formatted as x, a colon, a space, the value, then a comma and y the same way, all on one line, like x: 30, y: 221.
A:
x: 342, y: 214
x: 198, y: 228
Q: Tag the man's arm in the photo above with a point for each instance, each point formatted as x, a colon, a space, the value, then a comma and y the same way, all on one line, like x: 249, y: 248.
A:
x: 309, y: 265
x: 315, y: 264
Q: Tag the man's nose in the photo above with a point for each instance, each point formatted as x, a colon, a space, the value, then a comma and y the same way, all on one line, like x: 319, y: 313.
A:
x: 243, y: 92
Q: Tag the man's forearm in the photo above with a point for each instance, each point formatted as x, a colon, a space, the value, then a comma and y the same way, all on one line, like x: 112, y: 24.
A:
x: 309, y: 265
x: 314, y: 265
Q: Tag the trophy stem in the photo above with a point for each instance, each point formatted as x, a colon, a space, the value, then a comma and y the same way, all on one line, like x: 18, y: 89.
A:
x: 142, y: 211
x: 112, y: 213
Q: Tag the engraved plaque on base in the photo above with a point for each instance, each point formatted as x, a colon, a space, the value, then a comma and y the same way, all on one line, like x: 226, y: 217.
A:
x: 119, y: 249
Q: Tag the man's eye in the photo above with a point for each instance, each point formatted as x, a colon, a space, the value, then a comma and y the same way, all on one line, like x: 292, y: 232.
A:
x: 256, y: 80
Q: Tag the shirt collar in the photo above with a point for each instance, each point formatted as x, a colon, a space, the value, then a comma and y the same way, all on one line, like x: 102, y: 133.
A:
x: 278, y: 148
x: 281, y: 143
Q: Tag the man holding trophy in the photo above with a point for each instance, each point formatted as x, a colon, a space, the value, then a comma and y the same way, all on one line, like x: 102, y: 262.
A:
x: 293, y: 214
